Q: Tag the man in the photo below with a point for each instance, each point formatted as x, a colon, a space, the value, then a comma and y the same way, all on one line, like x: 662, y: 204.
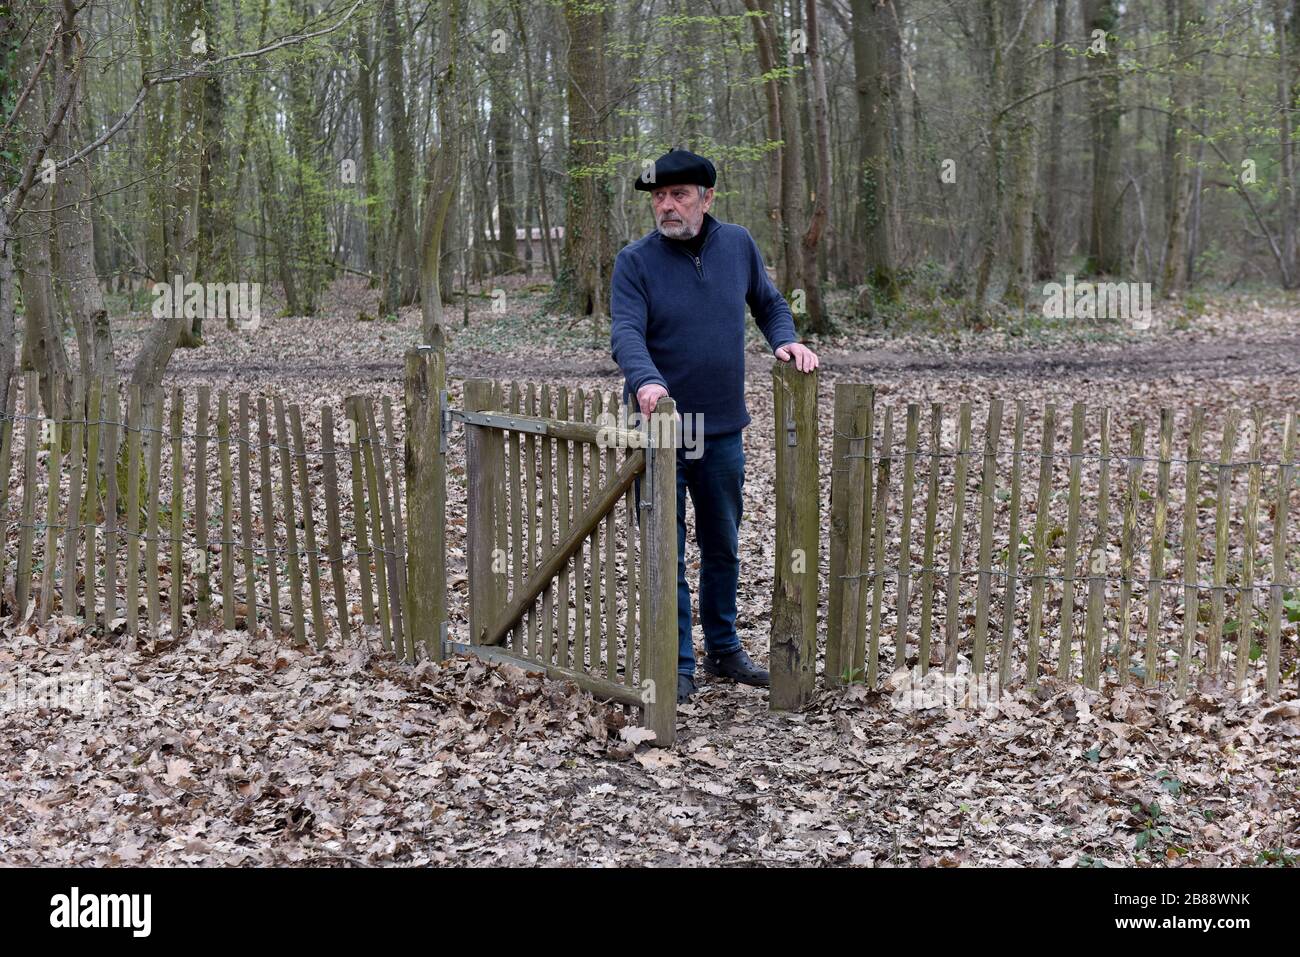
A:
x: 677, y: 305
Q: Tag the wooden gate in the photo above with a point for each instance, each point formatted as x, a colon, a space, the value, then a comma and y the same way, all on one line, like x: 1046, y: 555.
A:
x: 572, y: 550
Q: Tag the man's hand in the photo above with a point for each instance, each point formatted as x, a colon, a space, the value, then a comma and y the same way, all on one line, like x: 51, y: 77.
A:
x: 648, y: 396
x: 805, y: 360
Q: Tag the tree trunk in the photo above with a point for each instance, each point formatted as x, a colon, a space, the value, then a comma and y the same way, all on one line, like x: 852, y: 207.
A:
x: 991, y: 17
x: 75, y: 230
x: 370, y: 178
x: 818, y: 320
x: 42, y: 339
x: 11, y: 82
x: 794, y: 191
x: 535, y: 147
x: 872, y: 174
x: 42, y: 331
x: 1022, y: 137
x: 1049, y: 244
x: 1106, y: 233
x: 1287, y: 79
x: 400, y: 285
x: 183, y: 243
x: 215, y: 255
x: 8, y: 332
x: 157, y: 254
x: 503, y: 144
x: 1194, y: 227
x: 1173, y: 280
x: 579, y: 289
x: 483, y: 242
x: 443, y: 172
x: 166, y: 334
x: 767, y: 62
x: 309, y: 199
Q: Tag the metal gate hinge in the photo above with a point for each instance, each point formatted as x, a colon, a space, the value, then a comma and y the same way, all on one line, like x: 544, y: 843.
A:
x: 444, y: 420
x: 498, y: 421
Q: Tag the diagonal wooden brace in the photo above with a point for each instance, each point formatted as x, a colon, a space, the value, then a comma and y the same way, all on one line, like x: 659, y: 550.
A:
x: 633, y: 466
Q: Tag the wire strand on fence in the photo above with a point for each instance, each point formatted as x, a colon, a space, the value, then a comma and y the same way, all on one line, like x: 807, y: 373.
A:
x: 234, y: 441
x: 1062, y: 456
x: 945, y: 571
x: 125, y: 533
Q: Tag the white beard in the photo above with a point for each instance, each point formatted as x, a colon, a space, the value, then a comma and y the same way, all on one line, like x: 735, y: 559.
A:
x: 684, y: 231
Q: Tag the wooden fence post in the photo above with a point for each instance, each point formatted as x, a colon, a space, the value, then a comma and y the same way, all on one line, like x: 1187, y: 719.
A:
x: 426, y: 500
x: 177, y: 597
x: 1094, y: 626
x: 91, y: 500
x: 1078, y: 426
x: 203, y: 578
x: 133, y: 435
x: 848, y: 470
x: 1191, y: 552
x: 111, y: 409
x: 484, y: 468
x: 333, y: 528
x: 952, y: 611
x: 870, y: 652
x: 1285, y: 479
x: 1159, y: 524
x: 1246, y: 630
x: 659, y: 551
x: 793, y: 647
x: 928, y: 542
x: 988, y: 486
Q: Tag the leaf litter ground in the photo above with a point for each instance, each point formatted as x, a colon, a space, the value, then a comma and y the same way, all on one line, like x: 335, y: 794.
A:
x: 230, y: 748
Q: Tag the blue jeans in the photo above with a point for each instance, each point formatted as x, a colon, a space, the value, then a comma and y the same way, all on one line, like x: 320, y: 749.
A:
x: 714, y: 481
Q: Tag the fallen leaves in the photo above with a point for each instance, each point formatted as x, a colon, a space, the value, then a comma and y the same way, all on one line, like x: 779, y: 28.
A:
x: 235, y: 749
x: 634, y: 734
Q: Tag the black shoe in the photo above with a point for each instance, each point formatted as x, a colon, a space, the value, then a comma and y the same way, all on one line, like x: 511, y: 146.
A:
x: 685, y: 688
x: 738, y: 667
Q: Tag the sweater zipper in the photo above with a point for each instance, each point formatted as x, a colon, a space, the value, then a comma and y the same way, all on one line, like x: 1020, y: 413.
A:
x: 699, y: 262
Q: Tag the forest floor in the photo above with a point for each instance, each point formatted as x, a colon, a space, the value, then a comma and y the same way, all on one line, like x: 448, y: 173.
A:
x: 230, y: 748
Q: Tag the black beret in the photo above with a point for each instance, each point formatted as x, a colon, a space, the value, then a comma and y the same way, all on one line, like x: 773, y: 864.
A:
x: 676, y: 167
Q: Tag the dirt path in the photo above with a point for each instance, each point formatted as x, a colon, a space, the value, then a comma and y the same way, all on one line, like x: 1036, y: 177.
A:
x: 1220, y: 358
x: 1217, y: 358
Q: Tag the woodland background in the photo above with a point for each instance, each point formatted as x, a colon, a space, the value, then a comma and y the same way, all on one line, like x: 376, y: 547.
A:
x: 917, y: 169
x: 903, y: 158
